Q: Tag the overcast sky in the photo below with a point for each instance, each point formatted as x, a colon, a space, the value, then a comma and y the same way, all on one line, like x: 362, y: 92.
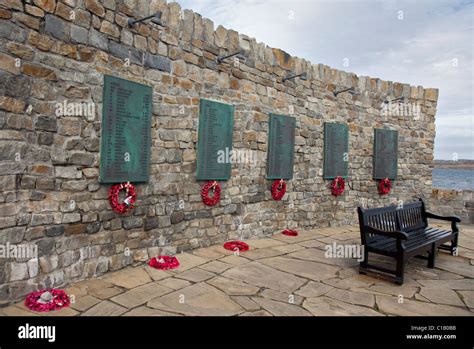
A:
x: 427, y: 42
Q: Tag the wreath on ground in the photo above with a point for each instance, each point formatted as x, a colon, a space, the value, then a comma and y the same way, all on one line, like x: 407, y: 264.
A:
x: 164, y: 262
x: 278, y: 189
x: 289, y: 232
x: 337, y: 186
x: 384, y: 186
x: 131, y: 196
x: 236, y: 246
x: 206, y: 199
x: 47, y: 300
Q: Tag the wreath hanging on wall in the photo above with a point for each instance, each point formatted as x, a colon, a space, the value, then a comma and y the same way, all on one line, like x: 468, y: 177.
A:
x: 206, y: 199
x: 337, y: 186
x: 278, y: 189
x: 385, y: 185
x: 47, y: 300
x: 131, y: 196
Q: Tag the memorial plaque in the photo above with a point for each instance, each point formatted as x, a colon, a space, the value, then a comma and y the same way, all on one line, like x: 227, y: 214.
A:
x: 126, y: 131
x: 281, y: 147
x: 385, y: 154
x: 216, y: 126
x: 336, y: 150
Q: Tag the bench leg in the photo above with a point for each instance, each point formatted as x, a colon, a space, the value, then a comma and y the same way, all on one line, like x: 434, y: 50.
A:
x: 454, y: 245
x: 431, y: 257
x: 400, y: 270
x: 365, y: 263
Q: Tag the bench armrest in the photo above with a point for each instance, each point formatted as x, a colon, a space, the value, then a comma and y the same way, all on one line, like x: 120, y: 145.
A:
x: 391, y: 234
x: 443, y: 218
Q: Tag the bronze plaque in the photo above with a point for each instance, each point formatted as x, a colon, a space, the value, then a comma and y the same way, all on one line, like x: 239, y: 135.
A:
x: 385, y: 154
x: 216, y: 126
x: 281, y: 147
x: 336, y: 150
x: 126, y: 131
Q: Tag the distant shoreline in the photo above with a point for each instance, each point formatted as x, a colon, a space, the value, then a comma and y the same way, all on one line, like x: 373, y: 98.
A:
x: 459, y: 164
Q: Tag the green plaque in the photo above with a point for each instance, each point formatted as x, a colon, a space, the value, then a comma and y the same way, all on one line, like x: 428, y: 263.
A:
x: 281, y: 147
x: 126, y: 131
x: 214, y: 148
x: 336, y: 150
x: 385, y: 154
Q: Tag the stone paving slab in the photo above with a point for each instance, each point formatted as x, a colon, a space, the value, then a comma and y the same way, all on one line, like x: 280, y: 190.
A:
x: 128, y: 278
x: 195, y: 275
x: 281, y: 296
x: 441, y: 295
x: 233, y: 287
x: 256, y: 313
x: 105, y: 308
x: 175, y: 283
x: 352, y: 297
x: 157, y: 274
x: 263, y: 243
x: 279, y: 308
x: 310, y: 270
x: 391, y: 305
x: 199, y: 300
x: 263, y: 276
x: 468, y: 298
x: 140, y: 295
x: 262, y: 253
x: 316, y: 255
x: 324, y: 306
x: 20, y: 309
x: 212, y: 252
x: 84, y: 302
x: 215, y: 266
x: 246, y: 303
x: 188, y: 261
x: 314, y: 289
x: 278, y: 276
x: 145, y: 311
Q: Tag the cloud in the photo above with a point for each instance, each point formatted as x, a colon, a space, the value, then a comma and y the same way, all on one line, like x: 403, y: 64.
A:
x: 426, y: 43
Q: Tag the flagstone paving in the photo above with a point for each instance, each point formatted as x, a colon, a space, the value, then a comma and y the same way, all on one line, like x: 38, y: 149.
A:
x: 278, y: 276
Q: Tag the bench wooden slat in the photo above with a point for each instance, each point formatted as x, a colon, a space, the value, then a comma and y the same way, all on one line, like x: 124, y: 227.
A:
x: 411, y: 235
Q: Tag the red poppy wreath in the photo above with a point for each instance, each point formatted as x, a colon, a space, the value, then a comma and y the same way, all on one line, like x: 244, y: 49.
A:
x: 47, y: 300
x: 278, y: 189
x: 206, y: 199
x: 131, y: 196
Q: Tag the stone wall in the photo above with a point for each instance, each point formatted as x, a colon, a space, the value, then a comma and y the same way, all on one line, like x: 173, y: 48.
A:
x: 453, y: 202
x: 55, y: 51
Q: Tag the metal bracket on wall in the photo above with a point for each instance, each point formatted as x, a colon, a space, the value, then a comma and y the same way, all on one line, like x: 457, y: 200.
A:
x: 239, y: 54
x: 302, y: 76
x: 400, y: 99
x: 350, y: 90
x: 155, y: 18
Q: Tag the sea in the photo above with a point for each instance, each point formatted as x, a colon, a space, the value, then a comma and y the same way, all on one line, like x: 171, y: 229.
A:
x: 458, y: 179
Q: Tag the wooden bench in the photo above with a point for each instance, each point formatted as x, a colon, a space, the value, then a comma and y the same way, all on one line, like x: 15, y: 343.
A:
x: 403, y: 232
